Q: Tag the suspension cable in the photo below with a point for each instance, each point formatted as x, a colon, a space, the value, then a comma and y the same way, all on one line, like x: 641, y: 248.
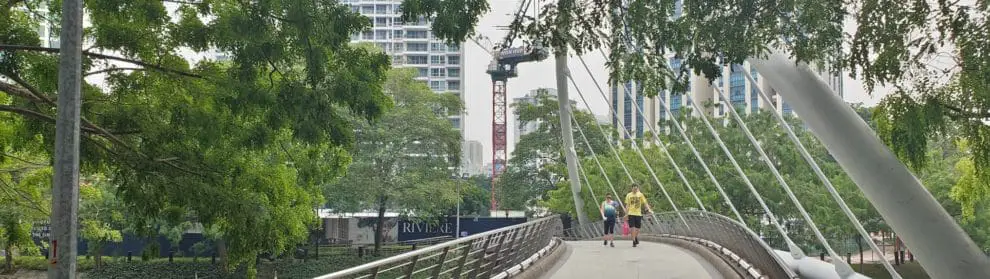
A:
x: 635, y: 147
x: 582, y: 171
x: 663, y: 148
x: 821, y: 176
x: 597, y: 162
x: 796, y: 251
x: 783, y: 183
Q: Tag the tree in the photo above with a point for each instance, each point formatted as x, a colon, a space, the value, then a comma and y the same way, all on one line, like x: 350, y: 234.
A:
x: 403, y: 160
x: 895, y: 43
x: 780, y: 149
x: 475, y: 194
x: 891, y: 39
x: 537, y: 163
x: 214, y: 139
x: 25, y: 191
x: 100, y: 217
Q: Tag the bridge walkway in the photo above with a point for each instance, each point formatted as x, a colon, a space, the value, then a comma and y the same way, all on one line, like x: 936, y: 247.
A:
x: 591, y: 259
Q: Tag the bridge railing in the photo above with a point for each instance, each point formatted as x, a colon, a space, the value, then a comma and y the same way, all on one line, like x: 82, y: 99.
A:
x: 730, y: 238
x: 484, y: 255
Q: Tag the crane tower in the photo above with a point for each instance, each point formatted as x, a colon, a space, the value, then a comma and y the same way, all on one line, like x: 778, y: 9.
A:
x: 502, y: 68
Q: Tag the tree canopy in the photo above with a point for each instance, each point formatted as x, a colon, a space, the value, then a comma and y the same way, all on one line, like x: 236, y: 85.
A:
x: 243, y: 144
x: 895, y: 43
x: 403, y: 160
x: 538, y: 158
x: 782, y: 152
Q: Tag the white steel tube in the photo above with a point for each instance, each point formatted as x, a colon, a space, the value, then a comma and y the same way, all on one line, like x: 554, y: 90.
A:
x: 942, y: 247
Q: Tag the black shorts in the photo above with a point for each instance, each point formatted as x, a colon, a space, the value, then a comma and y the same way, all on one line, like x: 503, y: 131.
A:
x: 609, y: 226
x: 635, y: 221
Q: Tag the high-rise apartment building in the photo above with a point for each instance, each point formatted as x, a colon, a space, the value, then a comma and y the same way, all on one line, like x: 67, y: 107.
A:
x: 412, y: 45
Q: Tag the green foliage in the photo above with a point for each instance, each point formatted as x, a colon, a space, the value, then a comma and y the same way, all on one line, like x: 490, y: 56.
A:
x: 782, y: 152
x: 25, y: 187
x: 100, y: 217
x: 538, y: 158
x: 241, y: 145
x: 926, y: 108
x: 475, y: 196
x: 316, y: 267
x: 895, y: 43
x: 42, y: 264
x: 160, y: 269
x: 707, y: 34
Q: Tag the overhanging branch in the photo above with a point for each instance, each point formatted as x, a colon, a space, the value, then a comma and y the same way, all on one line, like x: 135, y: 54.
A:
x: 17, y: 91
x: 38, y: 115
x: 104, y: 56
x: 21, y: 159
x: 963, y: 113
x: 107, y: 70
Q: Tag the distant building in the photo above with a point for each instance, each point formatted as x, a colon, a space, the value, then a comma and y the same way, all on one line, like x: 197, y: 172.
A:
x: 486, y: 169
x: 472, y: 157
x: 742, y: 94
x: 603, y: 119
x: 412, y: 45
x: 531, y: 98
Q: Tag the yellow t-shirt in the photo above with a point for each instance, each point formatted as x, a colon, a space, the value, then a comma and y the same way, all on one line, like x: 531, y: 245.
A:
x: 635, y: 203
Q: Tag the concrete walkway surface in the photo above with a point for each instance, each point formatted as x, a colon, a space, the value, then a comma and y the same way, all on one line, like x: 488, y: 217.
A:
x: 590, y: 259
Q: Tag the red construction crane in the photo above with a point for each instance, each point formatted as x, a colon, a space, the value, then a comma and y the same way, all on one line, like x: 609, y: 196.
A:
x: 503, y: 67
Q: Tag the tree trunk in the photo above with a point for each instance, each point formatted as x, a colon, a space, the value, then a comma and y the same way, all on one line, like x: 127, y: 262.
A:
x: 9, y: 258
x: 98, y: 259
x: 380, y: 226
x: 222, y: 251
x: 859, y: 242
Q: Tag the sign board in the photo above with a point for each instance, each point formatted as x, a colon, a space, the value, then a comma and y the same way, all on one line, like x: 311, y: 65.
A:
x: 410, y: 230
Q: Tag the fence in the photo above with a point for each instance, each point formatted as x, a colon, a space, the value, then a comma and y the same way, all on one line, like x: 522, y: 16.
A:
x: 482, y: 255
x: 387, y: 250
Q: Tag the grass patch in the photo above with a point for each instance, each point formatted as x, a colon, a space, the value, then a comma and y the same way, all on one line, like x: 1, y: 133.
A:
x: 911, y: 270
x: 330, y: 259
x: 164, y: 270
x: 39, y: 263
x: 290, y: 269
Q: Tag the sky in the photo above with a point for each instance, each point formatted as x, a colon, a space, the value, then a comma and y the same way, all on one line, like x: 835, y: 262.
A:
x: 477, y: 84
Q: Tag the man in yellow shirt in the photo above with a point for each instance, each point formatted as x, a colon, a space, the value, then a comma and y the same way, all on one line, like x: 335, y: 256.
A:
x: 635, y: 201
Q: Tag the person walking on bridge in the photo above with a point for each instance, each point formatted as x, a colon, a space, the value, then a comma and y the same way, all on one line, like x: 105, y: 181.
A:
x: 609, y: 214
x: 635, y: 204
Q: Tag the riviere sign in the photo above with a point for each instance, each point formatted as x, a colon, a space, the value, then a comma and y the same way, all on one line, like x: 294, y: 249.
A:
x: 412, y: 230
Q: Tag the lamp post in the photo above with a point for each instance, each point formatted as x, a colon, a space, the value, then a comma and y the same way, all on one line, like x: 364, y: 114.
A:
x: 457, y: 218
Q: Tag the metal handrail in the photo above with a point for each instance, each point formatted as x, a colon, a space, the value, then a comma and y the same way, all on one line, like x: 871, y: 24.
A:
x: 721, y: 233
x: 478, y: 255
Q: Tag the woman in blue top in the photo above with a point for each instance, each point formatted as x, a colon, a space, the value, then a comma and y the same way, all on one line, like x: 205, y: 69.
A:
x: 609, y: 214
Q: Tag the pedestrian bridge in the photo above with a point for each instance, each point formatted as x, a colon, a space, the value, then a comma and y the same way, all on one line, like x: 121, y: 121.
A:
x: 703, y: 244
x: 686, y: 244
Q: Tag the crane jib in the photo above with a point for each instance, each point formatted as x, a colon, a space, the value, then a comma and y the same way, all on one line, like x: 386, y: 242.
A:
x: 515, y: 52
